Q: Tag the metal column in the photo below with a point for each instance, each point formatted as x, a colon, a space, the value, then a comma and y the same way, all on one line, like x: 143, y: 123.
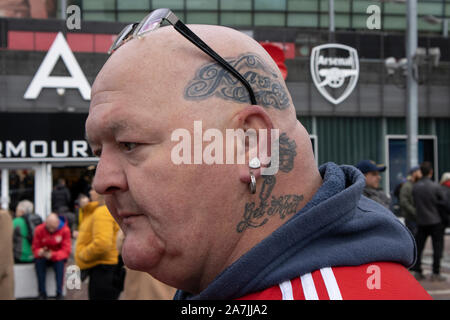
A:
x: 43, y: 189
x: 411, y: 85
x: 5, y: 190
x: 331, y: 21
x: 331, y: 16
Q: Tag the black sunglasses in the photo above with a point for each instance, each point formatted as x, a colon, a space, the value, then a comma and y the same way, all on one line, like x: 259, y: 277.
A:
x: 155, y: 19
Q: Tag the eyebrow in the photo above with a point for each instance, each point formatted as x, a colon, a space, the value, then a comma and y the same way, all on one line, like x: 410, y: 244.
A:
x: 114, y: 127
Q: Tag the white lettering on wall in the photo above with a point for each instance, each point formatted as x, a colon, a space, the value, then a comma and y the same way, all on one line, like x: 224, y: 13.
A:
x: 80, y: 148
x: 64, y: 153
x: 44, y: 149
x: 42, y: 78
x: 19, y: 150
x: 35, y: 146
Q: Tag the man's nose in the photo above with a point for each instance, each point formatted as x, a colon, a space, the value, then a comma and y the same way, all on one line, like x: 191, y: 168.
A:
x: 109, y: 176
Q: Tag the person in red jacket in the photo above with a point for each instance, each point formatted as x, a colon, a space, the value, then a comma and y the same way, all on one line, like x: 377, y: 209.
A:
x: 51, y: 247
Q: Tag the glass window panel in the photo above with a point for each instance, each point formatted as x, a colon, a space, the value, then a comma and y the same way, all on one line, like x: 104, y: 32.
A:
x: 394, y: 8
x: 422, y: 25
x: 236, y: 4
x: 303, y: 5
x: 131, y: 16
x: 302, y: 20
x: 339, y: 5
x: 324, y: 21
x: 101, y: 16
x: 98, y: 4
x: 342, y: 21
x: 133, y: 5
x: 180, y: 15
x: 342, y: 5
x: 236, y: 19
x: 324, y: 5
x: 270, y: 5
x: 429, y: 8
x: 172, y: 4
x: 202, y: 18
x: 360, y: 6
x: 359, y: 21
x: 21, y: 186
x: 394, y: 23
x: 201, y: 4
x: 269, y: 19
x: 447, y: 10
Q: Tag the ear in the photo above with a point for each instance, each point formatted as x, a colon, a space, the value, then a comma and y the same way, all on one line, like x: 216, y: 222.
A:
x: 257, y: 125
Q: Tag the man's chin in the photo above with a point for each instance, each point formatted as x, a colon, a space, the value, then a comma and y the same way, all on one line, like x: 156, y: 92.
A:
x: 138, y: 256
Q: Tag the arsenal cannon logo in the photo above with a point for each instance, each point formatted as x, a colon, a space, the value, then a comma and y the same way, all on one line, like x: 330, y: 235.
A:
x: 334, y: 70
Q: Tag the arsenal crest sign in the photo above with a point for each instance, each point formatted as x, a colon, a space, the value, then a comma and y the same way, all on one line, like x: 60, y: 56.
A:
x: 335, y: 70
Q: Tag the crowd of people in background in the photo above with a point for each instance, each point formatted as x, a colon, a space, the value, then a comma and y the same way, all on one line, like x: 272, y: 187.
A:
x: 424, y: 206
x: 90, y: 231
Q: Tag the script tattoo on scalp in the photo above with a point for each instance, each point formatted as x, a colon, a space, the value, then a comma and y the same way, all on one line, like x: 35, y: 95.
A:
x: 213, y: 80
x: 284, y: 205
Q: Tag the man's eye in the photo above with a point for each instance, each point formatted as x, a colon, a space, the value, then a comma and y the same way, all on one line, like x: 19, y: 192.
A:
x: 128, y: 146
x: 97, y: 152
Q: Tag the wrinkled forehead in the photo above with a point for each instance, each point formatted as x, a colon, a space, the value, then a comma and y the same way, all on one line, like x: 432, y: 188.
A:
x: 145, y: 62
x: 143, y: 72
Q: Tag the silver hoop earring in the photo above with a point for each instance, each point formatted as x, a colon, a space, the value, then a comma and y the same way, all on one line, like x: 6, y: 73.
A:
x: 252, y: 184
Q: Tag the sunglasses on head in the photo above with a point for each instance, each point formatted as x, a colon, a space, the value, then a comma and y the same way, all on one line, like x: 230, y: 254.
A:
x: 155, y: 19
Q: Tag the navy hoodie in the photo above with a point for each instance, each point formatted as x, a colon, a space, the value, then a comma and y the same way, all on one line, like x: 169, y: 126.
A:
x: 337, y: 227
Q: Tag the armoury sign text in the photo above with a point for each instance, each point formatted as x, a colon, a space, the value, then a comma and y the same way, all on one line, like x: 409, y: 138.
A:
x: 44, y: 149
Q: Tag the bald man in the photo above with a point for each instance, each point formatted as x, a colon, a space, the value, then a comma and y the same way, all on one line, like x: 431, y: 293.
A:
x: 225, y: 230
x: 51, y: 247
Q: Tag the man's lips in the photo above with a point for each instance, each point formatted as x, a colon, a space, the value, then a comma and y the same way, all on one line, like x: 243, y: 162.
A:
x: 128, y: 217
x: 128, y: 214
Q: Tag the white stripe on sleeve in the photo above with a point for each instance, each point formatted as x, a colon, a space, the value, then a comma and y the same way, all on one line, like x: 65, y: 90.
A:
x: 286, y: 290
x: 309, y: 289
x: 331, y: 284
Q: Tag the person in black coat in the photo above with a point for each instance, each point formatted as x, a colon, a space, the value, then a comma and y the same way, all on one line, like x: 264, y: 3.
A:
x: 60, y: 196
x: 429, y: 198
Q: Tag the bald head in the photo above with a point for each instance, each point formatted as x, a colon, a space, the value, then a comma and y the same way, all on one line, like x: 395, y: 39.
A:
x: 52, y: 222
x: 185, y: 221
x: 164, y: 64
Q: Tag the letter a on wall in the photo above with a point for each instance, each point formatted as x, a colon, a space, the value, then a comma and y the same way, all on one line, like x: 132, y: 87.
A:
x: 42, y: 78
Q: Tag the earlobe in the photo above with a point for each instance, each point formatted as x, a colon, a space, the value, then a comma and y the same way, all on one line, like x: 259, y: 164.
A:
x: 254, y: 172
x: 258, y: 127
x: 245, y: 173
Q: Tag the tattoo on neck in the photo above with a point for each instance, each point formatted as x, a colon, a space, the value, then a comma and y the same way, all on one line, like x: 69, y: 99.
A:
x: 214, y: 80
x: 284, y: 205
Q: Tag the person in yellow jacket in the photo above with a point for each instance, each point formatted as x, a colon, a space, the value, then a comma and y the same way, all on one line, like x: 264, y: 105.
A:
x: 96, y: 252
x: 86, y: 206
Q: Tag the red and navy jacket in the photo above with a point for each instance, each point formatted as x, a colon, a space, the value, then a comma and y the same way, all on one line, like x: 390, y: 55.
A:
x: 340, y: 245
x: 58, y: 242
x: 373, y: 281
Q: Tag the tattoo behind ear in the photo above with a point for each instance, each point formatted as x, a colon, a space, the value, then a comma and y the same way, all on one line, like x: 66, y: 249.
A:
x: 214, y: 80
x: 284, y: 205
